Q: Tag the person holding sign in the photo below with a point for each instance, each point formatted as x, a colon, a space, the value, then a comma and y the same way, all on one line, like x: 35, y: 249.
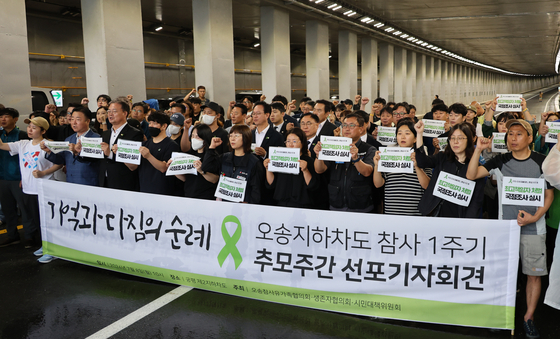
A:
x: 79, y: 170
x: 113, y: 174
x: 522, y: 203
x: 202, y: 185
x: 403, y: 191
x: 454, y: 161
x: 350, y: 185
x: 240, y: 164
x: 439, y: 112
x: 33, y: 166
x: 289, y: 189
x: 155, y: 152
x: 540, y: 145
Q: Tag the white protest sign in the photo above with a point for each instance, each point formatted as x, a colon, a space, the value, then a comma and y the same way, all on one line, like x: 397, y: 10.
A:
x: 335, y: 149
x: 91, y: 148
x: 128, y: 151
x: 387, y: 135
x: 182, y: 164
x: 433, y: 128
x: 509, y: 103
x: 231, y: 189
x: 58, y: 146
x: 523, y: 191
x: 499, y: 143
x: 454, y: 189
x: 442, y: 143
x: 395, y: 160
x: 253, y: 147
x: 553, y: 130
x: 284, y: 160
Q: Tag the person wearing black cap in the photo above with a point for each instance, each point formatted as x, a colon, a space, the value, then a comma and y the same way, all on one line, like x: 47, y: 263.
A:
x: 210, y: 115
x: 175, y: 129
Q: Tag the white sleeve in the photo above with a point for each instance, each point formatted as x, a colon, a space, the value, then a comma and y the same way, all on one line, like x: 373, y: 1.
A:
x: 15, y: 147
x: 550, y: 167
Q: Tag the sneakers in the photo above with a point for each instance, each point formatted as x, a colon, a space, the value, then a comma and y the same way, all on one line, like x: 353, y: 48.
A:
x: 45, y: 259
x: 39, y: 252
x: 530, y: 329
x: 8, y: 242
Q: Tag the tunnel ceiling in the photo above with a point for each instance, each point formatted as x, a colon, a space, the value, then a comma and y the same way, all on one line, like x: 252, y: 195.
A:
x: 516, y: 35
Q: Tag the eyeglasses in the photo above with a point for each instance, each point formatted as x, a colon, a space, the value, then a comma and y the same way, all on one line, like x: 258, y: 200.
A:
x: 402, y: 114
x: 235, y: 136
x: 351, y: 126
x: 308, y: 123
x: 138, y: 111
x: 293, y: 142
x: 453, y: 139
x: 246, y: 102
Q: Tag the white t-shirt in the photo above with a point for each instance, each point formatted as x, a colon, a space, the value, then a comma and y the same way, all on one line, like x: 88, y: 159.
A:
x: 31, y: 158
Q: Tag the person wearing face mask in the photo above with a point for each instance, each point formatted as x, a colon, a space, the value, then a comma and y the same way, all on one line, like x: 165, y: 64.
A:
x: 210, y: 116
x: 155, y: 154
x: 203, y: 185
x: 175, y: 129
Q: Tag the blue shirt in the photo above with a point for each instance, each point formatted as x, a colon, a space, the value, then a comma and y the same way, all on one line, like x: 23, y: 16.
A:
x: 9, y: 164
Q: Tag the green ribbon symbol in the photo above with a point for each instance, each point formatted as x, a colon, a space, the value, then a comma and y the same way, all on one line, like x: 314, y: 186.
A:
x: 230, y: 241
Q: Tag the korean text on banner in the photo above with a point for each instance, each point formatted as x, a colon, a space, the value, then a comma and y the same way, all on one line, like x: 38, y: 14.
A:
x: 499, y: 143
x: 509, y: 103
x: 553, y: 130
x: 358, y: 263
x: 387, y: 135
x: 91, y: 148
x: 523, y: 191
x: 284, y: 160
x: 335, y: 149
x: 395, y: 160
x: 454, y: 189
x: 433, y: 128
x: 182, y: 163
x: 231, y: 189
x: 128, y: 151
x: 58, y: 146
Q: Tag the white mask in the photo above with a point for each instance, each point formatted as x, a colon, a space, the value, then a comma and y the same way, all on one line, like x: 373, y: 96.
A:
x: 196, y: 144
x: 172, y: 130
x: 207, y: 119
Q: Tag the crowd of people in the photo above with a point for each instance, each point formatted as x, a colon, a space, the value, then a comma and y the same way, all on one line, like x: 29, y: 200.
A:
x: 234, y: 142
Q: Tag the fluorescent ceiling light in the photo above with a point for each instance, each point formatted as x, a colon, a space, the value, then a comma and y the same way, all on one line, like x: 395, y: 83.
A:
x: 397, y: 33
x: 319, y: 1
x: 337, y: 8
x: 347, y: 12
x: 256, y: 45
x: 404, y: 36
x: 331, y: 6
x: 389, y: 29
x: 352, y: 14
x: 364, y: 19
x: 159, y: 28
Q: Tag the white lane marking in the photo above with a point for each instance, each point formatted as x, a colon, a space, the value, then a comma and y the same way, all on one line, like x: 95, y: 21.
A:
x: 546, y: 109
x: 140, y: 313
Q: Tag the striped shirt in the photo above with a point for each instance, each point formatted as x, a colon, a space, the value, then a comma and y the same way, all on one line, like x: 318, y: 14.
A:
x: 403, y: 193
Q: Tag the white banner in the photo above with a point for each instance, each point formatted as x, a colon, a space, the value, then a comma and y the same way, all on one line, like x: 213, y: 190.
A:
x: 509, y: 103
x: 442, y: 143
x: 58, y: 146
x: 454, y: 189
x: 335, y: 149
x: 231, y: 189
x: 499, y: 143
x: 91, y: 148
x: 387, y: 136
x: 182, y: 164
x: 360, y: 263
x: 523, y: 191
x: 433, y: 128
x: 284, y: 160
x: 128, y: 151
x: 553, y: 130
x: 395, y: 160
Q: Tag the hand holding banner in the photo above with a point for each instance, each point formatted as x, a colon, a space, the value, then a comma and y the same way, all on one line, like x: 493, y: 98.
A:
x: 128, y: 151
x: 284, y: 160
x: 395, y: 160
x: 335, y: 149
x: 91, y: 148
x: 433, y: 128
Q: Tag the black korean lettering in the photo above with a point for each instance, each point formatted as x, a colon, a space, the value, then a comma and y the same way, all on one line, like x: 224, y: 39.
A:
x: 175, y: 239
x: 475, y: 240
x: 448, y: 275
x: 299, y: 235
x: 266, y: 255
x: 304, y: 264
x: 353, y: 268
x: 375, y: 269
x: 282, y: 235
x: 264, y: 229
x: 476, y: 274
x: 323, y: 264
x: 361, y: 240
x: 452, y: 245
x: 283, y: 259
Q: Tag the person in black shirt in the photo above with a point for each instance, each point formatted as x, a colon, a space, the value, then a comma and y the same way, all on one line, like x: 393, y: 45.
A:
x: 203, y: 185
x: 289, y: 189
x: 155, y: 154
